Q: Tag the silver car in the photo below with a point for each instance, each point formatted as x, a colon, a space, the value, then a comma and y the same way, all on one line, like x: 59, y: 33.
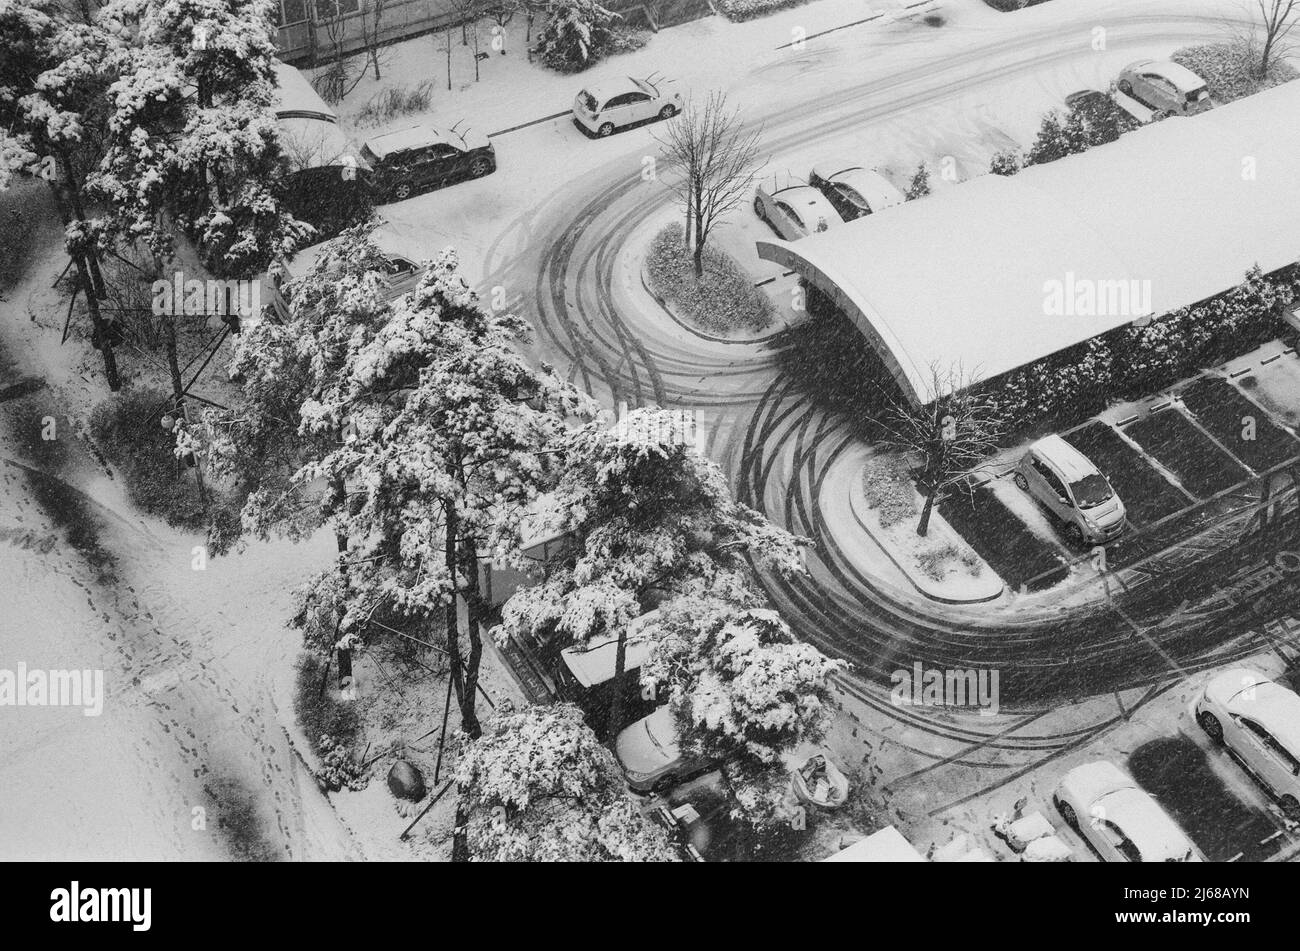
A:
x: 1068, y: 485
x: 650, y: 756
x: 793, y: 208
x: 1259, y: 723
x: 1167, y: 88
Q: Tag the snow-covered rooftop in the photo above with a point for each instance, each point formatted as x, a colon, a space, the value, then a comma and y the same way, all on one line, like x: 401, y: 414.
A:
x: 962, y: 277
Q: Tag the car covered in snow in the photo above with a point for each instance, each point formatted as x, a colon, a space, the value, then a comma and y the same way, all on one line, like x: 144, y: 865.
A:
x: 852, y: 190
x: 1119, y: 819
x: 1258, y: 721
x: 793, y: 208
x: 650, y: 756
x: 1066, y: 483
x: 1165, y: 87
x: 413, y: 160
x: 606, y: 107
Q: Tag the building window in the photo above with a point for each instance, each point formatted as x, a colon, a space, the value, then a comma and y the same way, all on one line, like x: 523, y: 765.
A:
x: 329, y: 9
x: 291, y: 11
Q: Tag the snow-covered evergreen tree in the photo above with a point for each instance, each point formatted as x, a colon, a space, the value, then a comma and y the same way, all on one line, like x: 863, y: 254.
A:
x: 578, y: 33
x: 650, y: 519
x: 537, y: 786
x: 192, y: 134
x: 743, y: 692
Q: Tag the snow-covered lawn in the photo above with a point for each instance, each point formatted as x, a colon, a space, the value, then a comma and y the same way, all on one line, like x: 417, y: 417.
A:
x: 723, y: 301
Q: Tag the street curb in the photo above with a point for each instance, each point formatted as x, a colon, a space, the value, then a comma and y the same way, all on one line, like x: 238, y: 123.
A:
x: 908, y: 575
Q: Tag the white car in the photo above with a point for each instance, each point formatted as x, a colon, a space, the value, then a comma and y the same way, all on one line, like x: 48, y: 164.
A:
x: 853, y: 190
x: 1167, y: 88
x: 604, y: 108
x: 793, y: 208
x: 1259, y: 722
x: 1121, y: 821
x: 650, y: 756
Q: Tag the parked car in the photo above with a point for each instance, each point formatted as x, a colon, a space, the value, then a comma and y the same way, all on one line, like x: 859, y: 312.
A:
x: 1068, y: 485
x: 1120, y: 820
x: 793, y: 208
x: 603, y: 108
x: 585, y: 676
x: 422, y: 157
x: 1167, y: 88
x: 650, y: 757
x: 852, y: 190
x: 1259, y: 723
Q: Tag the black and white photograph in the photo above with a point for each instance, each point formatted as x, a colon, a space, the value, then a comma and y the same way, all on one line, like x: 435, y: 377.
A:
x: 652, y: 431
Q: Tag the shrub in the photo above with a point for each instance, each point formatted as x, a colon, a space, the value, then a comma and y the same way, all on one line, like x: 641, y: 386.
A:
x: 1130, y: 361
x: 1230, y: 70
x: 920, y: 186
x: 1010, y: 6
x: 396, y: 101
x: 126, y: 428
x: 724, y: 300
x: 934, y: 561
x: 887, y: 487
x: 1006, y: 162
x: 740, y: 10
x: 330, y: 724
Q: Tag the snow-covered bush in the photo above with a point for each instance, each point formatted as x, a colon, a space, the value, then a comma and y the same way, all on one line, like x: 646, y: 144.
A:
x: 1231, y: 70
x: 579, y: 33
x: 920, y: 186
x: 723, y: 301
x: 537, y: 786
x: 888, y: 489
x: 1006, y: 162
x: 739, y: 10
x: 1131, y: 360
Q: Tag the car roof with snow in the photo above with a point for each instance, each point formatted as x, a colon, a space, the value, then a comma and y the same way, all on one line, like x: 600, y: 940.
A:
x: 1073, y: 465
x: 1273, y: 706
x: 870, y: 184
x: 594, y: 663
x: 607, y: 89
x: 419, y: 136
x: 1180, y: 76
x: 1150, y: 828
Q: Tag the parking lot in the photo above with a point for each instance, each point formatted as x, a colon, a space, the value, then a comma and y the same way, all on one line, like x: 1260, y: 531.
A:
x: 1178, y: 461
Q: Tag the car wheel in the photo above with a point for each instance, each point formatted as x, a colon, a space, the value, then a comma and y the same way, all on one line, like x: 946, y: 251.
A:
x: 1290, y: 807
x: 1067, y: 813
x: 606, y: 128
x: 1021, y: 482
x: 402, y: 191
x: 480, y: 167
x: 1211, y: 725
x: 1163, y: 114
x: 1126, y: 87
x: 1075, y: 535
x: 667, y: 112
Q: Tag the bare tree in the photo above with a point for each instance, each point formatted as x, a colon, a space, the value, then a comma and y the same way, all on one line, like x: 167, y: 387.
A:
x: 951, y: 435
x: 1279, y: 19
x: 714, y: 159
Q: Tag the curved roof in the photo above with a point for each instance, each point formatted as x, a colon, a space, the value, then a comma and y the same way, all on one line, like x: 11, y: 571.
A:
x: 1169, y: 215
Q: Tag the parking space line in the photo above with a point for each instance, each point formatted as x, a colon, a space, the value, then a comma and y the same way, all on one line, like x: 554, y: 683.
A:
x: 1191, y: 417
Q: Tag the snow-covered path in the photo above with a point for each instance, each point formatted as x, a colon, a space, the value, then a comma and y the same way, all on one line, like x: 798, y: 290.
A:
x: 188, y: 759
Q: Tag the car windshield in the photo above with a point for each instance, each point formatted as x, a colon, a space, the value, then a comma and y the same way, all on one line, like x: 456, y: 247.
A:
x: 1091, y: 491
x: 368, y: 155
x: 588, y: 101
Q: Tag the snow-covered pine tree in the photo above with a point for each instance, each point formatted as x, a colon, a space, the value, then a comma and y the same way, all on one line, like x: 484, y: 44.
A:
x: 743, y: 692
x: 650, y: 518
x: 192, y: 133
